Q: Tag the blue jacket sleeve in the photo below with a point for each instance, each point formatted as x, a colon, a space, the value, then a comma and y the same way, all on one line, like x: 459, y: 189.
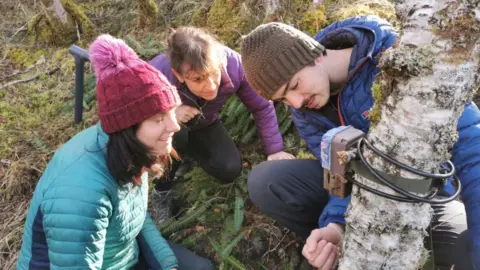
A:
x: 466, y: 158
x: 334, y: 211
x: 155, y: 248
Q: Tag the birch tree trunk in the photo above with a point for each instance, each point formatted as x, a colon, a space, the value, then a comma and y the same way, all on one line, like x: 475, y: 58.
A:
x: 426, y: 79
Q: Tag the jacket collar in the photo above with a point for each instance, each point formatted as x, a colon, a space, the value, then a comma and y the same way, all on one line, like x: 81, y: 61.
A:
x: 102, y: 137
x: 225, y: 80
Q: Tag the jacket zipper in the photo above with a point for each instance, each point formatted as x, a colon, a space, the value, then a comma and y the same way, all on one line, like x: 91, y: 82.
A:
x: 201, y: 115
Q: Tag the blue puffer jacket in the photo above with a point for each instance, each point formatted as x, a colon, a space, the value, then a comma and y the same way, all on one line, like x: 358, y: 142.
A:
x: 369, y: 36
x: 80, y: 218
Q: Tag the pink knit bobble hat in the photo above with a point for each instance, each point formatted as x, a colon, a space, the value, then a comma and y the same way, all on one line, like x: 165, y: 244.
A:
x: 129, y: 90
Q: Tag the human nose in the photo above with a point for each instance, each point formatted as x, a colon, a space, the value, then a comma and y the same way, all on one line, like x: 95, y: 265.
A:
x: 172, y: 124
x: 210, y: 84
x: 295, y: 100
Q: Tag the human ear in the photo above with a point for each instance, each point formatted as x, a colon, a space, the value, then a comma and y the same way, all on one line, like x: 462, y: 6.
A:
x: 178, y: 75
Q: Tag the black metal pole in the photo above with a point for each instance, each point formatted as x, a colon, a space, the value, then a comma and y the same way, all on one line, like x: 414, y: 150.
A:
x: 79, y: 77
x: 80, y: 56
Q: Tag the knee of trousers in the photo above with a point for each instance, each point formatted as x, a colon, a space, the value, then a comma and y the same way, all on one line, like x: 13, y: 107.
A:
x: 204, y: 264
x: 258, y: 184
x: 228, y: 171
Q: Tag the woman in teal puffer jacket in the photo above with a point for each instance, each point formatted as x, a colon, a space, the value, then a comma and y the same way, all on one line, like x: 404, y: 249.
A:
x: 89, y: 209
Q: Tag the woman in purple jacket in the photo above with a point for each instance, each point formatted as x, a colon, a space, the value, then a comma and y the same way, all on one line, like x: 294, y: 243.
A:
x: 207, y: 74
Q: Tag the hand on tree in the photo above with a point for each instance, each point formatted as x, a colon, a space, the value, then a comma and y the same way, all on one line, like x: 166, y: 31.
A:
x: 280, y: 155
x: 185, y: 113
x: 321, y: 248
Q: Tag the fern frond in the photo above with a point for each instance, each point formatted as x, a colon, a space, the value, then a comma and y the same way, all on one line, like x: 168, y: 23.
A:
x: 192, y: 240
x: 238, y: 214
x: 228, y: 249
x: 235, y: 263
x: 215, y: 245
x: 185, y: 220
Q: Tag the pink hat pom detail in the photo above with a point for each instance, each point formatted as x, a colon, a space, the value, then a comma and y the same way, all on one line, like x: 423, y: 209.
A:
x: 109, y: 55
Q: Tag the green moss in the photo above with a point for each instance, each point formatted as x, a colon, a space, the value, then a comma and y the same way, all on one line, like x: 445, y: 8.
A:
x: 314, y: 20
x: 407, y: 62
x: 383, y: 9
x: 294, y: 11
x: 17, y: 56
x: 199, y: 17
x: 33, y: 25
x: 23, y: 58
x: 305, y: 155
x: 47, y: 28
x: 148, y: 11
x: 60, y: 55
x: 375, y: 113
x: 464, y: 30
x: 223, y: 20
x: 78, y: 14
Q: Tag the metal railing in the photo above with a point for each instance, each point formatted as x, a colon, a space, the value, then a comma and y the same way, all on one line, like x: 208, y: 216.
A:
x: 80, y: 56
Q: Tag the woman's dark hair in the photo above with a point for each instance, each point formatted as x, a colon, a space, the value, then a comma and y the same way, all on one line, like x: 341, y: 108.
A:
x: 193, y: 46
x: 128, y: 158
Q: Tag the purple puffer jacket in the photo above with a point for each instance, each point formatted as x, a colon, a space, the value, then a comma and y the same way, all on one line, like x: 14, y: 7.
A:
x: 232, y: 81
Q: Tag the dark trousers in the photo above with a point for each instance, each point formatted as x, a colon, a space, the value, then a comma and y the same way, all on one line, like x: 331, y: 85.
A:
x: 212, y: 148
x: 187, y: 260
x: 291, y: 192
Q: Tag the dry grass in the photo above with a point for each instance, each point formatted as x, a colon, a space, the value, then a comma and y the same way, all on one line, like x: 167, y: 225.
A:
x: 33, y: 119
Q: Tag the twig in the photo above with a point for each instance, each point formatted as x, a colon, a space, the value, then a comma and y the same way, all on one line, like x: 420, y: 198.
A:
x: 26, y: 70
x: 50, y: 72
x: 275, y: 248
x: 289, y: 244
x: 78, y: 31
x: 269, y: 245
x: 24, y: 27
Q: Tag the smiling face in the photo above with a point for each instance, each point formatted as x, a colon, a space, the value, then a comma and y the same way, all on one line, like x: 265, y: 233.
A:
x: 310, y: 87
x: 157, y: 131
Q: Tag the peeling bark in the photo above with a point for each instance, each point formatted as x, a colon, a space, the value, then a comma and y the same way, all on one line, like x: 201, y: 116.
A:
x: 426, y: 79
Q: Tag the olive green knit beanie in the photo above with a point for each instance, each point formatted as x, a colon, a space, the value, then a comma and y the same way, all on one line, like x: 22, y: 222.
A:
x: 272, y: 53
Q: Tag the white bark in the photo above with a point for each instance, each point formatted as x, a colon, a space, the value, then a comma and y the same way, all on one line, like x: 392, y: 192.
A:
x: 426, y: 80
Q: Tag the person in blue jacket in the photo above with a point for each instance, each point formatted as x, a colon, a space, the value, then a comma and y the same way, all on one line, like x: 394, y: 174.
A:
x: 89, y: 208
x: 327, y: 81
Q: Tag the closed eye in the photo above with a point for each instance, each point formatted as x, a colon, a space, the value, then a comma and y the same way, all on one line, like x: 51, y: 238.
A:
x: 295, y: 86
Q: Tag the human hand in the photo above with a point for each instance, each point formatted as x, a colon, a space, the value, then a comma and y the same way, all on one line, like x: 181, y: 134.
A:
x: 280, y: 155
x: 321, y: 248
x: 185, y: 113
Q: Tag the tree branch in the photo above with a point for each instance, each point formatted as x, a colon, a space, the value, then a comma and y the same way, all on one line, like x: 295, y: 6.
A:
x: 50, y: 72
